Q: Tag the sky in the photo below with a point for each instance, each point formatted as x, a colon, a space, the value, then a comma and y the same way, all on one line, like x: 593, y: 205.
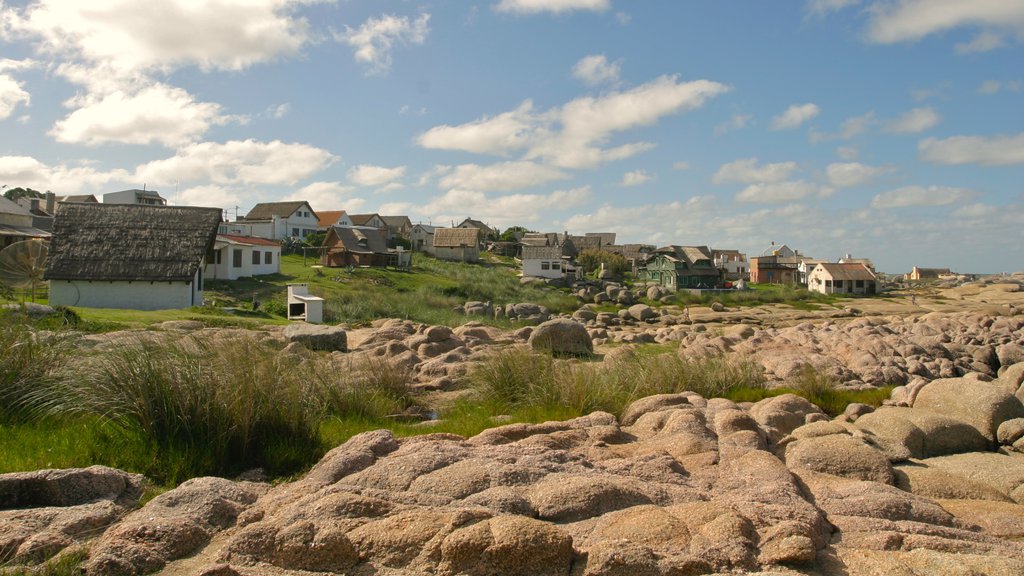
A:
x: 886, y: 129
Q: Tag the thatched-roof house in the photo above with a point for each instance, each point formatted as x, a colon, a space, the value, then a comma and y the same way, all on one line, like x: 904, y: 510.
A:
x: 546, y: 261
x: 130, y: 255
x: 676, y: 267
x: 457, y: 244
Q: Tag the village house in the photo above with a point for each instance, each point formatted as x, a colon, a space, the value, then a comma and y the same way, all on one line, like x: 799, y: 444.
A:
x: 235, y: 257
x: 732, y: 264
x: 778, y: 264
x: 16, y: 224
x: 42, y: 210
x: 422, y: 238
x: 636, y: 254
x: 805, y: 267
x: 147, y: 197
x: 607, y: 238
x: 328, y: 218
x: 927, y: 273
x: 681, y: 267
x: 457, y: 244
x: 836, y: 278
x: 397, y: 226
x: 360, y: 246
x: 486, y: 232
x: 369, y: 220
x: 549, y: 261
x: 275, y: 221
x: 134, y: 256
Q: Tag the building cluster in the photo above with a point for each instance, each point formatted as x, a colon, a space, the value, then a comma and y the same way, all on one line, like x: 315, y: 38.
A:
x: 132, y: 250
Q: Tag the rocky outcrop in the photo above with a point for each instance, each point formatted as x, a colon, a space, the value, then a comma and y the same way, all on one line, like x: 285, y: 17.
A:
x: 562, y: 337
x: 317, y: 336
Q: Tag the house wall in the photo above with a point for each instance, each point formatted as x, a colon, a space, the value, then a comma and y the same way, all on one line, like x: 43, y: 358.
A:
x: 459, y: 254
x: 258, y: 229
x: 821, y: 281
x: 422, y: 241
x: 534, y: 267
x: 296, y: 225
x: 227, y: 271
x: 138, y: 295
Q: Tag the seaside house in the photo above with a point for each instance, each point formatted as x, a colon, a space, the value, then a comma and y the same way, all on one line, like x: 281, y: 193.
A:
x: 135, y: 256
x: 836, y: 278
x: 16, y: 224
x: 134, y: 196
x: 680, y: 267
x: 422, y: 238
x: 457, y: 244
x: 355, y: 246
x: 275, y: 221
x: 235, y: 257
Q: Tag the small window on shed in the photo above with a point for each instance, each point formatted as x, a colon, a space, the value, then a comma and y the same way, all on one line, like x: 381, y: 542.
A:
x: 545, y: 265
x: 268, y: 257
x: 256, y: 257
x: 236, y: 258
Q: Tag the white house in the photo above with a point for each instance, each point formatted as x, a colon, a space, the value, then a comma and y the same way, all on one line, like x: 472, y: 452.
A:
x: 829, y: 278
x: 147, y: 197
x: 235, y: 257
x: 275, y: 221
x: 544, y: 261
x: 422, y: 238
x: 16, y: 223
x: 134, y: 256
x: 732, y: 262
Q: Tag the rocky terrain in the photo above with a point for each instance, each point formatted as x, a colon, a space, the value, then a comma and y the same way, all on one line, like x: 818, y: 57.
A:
x: 932, y: 483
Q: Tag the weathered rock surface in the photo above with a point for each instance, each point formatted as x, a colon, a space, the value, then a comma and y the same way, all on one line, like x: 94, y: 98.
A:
x: 317, y: 336
x: 683, y: 485
x: 562, y: 336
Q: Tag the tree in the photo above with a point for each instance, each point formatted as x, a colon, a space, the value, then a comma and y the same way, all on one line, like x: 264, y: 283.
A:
x: 513, y: 234
x: 591, y: 260
x: 13, y: 194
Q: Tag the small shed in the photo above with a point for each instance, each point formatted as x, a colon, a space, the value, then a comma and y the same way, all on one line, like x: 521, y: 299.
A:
x: 304, y: 306
x: 457, y: 244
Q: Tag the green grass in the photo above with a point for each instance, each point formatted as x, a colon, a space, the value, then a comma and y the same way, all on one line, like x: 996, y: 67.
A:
x: 760, y: 294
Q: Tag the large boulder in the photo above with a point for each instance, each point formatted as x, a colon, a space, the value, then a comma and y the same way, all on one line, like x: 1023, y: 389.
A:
x: 562, y: 336
x: 69, y: 487
x: 982, y: 405
x: 839, y: 455
x: 317, y: 336
x: 641, y: 312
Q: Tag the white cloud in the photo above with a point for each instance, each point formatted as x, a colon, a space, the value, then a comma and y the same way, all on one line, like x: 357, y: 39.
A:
x: 132, y: 36
x: 636, y: 178
x: 503, y: 211
x: 823, y: 7
x: 238, y: 162
x: 499, y: 135
x: 572, y: 136
x: 910, y: 196
x: 1000, y: 150
x: 595, y: 69
x: 852, y: 127
x: 280, y: 111
x: 995, y: 86
x: 984, y: 42
x: 587, y: 123
x: 327, y: 196
x: 912, y: 20
x: 655, y: 223
x: 850, y: 174
x: 209, y: 195
x: 914, y: 121
x: 747, y: 171
x: 500, y: 177
x: 11, y: 95
x: 368, y: 175
x: 157, y: 114
x: 554, y: 6
x: 795, y: 115
x: 737, y: 122
x: 776, y: 192
x: 374, y: 40
x: 977, y: 211
x: 63, y: 179
x: 681, y: 165
x: 847, y: 153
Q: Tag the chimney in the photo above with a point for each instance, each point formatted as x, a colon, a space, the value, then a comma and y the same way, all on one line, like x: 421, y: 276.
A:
x: 34, y: 204
x: 51, y: 203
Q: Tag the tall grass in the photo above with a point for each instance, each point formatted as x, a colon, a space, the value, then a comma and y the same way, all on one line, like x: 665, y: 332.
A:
x: 29, y: 361
x: 515, y: 379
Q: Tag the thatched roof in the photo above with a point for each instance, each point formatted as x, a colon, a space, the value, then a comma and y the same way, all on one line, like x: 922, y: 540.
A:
x: 456, y: 237
x: 266, y: 210
x: 853, y: 271
x: 543, y: 252
x: 130, y: 242
x: 396, y: 221
x: 356, y: 239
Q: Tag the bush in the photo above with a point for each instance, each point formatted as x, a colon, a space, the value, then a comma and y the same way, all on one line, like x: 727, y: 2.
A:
x: 30, y: 362
x: 591, y: 260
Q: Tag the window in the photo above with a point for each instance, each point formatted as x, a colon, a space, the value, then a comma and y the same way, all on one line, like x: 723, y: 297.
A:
x: 295, y: 232
x: 545, y: 265
x: 838, y: 283
x: 236, y: 258
x: 256, y: 257
x: 859, y: 283
x: 217, y: 255
x: 268, y: 257
x: 556, y: 265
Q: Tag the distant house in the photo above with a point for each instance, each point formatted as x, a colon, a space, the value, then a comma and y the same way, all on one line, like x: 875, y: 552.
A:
x: 275, y: 221
x: 457, y: 244
x: 848, y: 259
x: 835, y: 278
x: 16, y: 224
x: 235, y: 257
x: 539, y: 239
x: 607, y: 238
x: 546, y: 261
x: 370, y: 220
x: 356, y: 246
x: 486, y: 232
x: 135, y: 256
x: 88, y: 198
x: 422, y: 238
x: 777, y: 264
x: 42, y: 210
x: 328, y: 218
x: 398, y: 226
x: 927, y: 273
x: 636, y: 254
x: 732, y: 264
x: 146, y: 197
x: 679, y: 267
x: 805, y: 267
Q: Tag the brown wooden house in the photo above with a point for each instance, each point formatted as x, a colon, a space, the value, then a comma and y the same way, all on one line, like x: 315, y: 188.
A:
x: 355, y: 246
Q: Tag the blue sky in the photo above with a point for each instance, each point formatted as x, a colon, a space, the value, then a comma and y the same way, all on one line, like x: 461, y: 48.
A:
x: 888, y: 129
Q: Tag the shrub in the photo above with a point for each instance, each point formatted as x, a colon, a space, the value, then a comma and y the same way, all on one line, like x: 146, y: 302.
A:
x: 30, y: 362
x: 615, y: 264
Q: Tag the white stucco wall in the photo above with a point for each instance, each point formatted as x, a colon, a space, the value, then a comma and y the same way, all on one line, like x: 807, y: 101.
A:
x: 457, y: 254
x: 128, y: 295
x: 225, y: 270
x: 535, y: 269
